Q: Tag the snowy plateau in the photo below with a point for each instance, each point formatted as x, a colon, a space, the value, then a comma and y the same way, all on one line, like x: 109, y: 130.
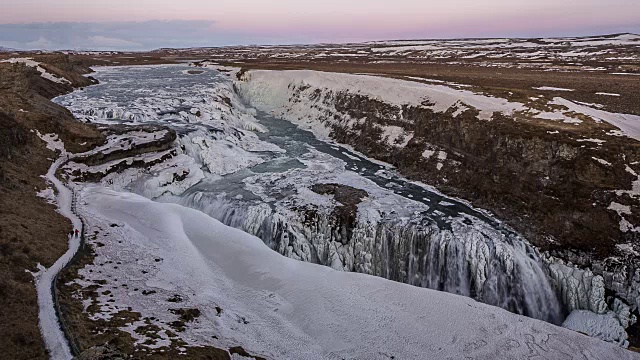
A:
x: 225, y: 190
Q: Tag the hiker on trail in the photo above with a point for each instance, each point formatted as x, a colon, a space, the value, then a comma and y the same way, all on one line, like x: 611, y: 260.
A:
x: 76, y: 232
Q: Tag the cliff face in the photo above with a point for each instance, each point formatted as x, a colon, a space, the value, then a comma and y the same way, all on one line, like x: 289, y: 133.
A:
x: 548, y: 186
x: 569, y: 185
x: 31, y: 231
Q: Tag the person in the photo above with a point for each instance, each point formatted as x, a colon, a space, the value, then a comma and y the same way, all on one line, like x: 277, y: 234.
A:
x: 77, y: 232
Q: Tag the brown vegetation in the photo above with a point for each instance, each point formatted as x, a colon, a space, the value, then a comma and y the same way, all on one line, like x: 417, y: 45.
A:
x: 31, y: 231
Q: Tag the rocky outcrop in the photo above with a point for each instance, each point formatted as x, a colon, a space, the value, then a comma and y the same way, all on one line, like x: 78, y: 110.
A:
x: 160, y: 139
x: 102, y: 352
x: 346, y: 213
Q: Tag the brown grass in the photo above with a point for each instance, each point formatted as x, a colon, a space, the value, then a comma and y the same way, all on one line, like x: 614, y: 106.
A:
x: 31, y: 231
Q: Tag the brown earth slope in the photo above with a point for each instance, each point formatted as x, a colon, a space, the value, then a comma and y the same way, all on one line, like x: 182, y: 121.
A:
x: 31, y: 231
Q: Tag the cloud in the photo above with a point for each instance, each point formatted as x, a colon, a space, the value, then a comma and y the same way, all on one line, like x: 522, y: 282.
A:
x: 99, y: 41
x: 41, y: 43
x: 132, y: 35
x: 154, y: 34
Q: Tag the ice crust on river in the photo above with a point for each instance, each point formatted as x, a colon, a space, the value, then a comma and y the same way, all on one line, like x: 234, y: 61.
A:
x: 225, y: 163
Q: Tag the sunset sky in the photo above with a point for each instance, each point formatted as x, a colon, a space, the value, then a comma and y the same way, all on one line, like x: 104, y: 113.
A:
x: 148, y: 24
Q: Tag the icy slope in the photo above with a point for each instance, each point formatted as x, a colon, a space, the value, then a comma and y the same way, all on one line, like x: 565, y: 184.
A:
x: 296, y: 310
x: 307, y: 98
x: 271, y: 90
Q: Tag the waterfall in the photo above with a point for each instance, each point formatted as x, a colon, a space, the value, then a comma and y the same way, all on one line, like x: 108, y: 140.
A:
x: 466, y: 258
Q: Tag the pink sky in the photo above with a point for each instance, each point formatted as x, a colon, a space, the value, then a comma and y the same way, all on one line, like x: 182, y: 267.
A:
x: 287, y: 21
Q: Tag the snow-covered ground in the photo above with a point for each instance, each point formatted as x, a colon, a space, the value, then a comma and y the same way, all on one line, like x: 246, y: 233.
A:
x: 618, y: 40
x: 548, y: 48
x: 600, y: 54
x: 551, y: 88
x: 285, y: 309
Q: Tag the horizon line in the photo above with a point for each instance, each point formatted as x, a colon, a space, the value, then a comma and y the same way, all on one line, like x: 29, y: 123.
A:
x: 329, y: 43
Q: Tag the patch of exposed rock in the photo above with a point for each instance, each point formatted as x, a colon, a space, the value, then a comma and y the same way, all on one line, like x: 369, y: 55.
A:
x: 346, y: 213
x: 102, y: 352
x: 161, y: 139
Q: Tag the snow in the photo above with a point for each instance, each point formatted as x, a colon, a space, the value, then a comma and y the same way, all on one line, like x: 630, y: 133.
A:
x: 615, y: 133
x: 215, y: 155
x: 350, y: 156
x: 602, y: 326
x: 212, y: 123
x: 607, y: 94
x: 281, y: 308
x: 165, y: 173
x: 597, y: 141
x: 626, y: 226
x: 131, y: 140
x: 627, y: 249
x: 396, y: 136
x: 273, y: 91
x: 384, y: 217
x: 43, y: 72
x: 550, y: 48
x: 270, y: 91
x: 601, y: 161
x: 54, y: 339
x: 594, y: 105
x: 218, y: 105
x: 620, y: 40
x: 627, y: 123
x: 48, y: 194
x: 619, y: 208
x: 404, y: 49
x: 550, y: 88
x: 428, y: 153
x: 52, y: 141
x: 425, y: 79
